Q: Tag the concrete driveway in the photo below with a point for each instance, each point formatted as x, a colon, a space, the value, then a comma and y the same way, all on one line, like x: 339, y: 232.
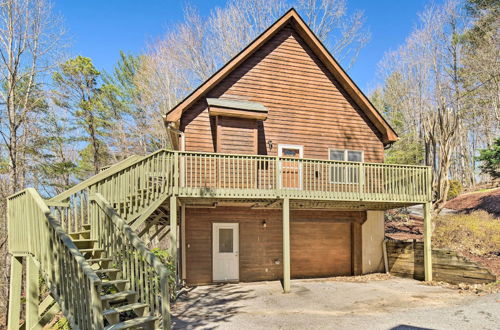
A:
x: 392, y: 303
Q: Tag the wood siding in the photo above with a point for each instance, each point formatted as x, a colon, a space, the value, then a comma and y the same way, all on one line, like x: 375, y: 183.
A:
x: 307, y: 106
x: 236, y: 135
x: 261, y: 247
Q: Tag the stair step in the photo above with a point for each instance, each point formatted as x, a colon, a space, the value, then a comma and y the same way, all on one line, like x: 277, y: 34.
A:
x: 124, y: 308
x: 86, y: 227
x: 85, y: 243
x: 99, y: 259
x: 138, y: 321
x: 91, y: 250
x: 108, y: 270
x: 118, y: 296
x: 84, y: 231
x: 113, y: 282
x: 77, y: 234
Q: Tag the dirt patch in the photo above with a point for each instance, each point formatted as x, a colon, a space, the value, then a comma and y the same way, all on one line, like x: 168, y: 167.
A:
x: 356, y: 279
x: 475, y: 289
x: 488, y: 201
x: 492, y: 262
x: 411, y: 228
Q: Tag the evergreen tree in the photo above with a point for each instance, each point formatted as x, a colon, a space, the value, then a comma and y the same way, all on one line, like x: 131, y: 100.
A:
x: 490, y: 159
x: 133, y: 134
x: 57, y: 155
x: 90, y: 104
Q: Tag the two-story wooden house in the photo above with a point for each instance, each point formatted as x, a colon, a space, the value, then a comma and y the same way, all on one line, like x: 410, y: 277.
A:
x: 284, y: 96
x: 275, y: 172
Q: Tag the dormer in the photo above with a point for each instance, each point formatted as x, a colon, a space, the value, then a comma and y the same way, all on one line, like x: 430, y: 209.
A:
x: 236, y: 124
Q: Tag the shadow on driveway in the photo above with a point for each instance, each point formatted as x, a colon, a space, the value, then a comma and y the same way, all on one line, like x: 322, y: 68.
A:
x: 208, y: 305
x: 364, y: 302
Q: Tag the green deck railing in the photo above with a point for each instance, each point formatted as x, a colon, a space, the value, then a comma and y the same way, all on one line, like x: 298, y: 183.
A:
x: 249, y: 176
x: 72, y: 282
x: 109, y: 204
x: 193, y: 174
x: 130, y: 187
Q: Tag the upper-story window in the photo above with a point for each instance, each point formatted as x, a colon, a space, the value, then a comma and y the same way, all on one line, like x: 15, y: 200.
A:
x: 345, y: 173
x: 346, y: 155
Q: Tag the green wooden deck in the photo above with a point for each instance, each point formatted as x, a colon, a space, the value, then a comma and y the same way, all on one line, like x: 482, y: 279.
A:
x: 209, y: 175
x: 214, y: 175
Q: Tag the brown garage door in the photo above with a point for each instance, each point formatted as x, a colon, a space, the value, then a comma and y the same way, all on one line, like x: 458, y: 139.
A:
x: 320, y: 248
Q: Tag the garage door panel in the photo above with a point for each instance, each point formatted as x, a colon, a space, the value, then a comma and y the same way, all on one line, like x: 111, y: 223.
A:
x: 320, y: 248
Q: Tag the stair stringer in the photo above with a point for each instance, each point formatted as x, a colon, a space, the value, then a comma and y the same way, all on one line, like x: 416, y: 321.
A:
x: 148, y: 211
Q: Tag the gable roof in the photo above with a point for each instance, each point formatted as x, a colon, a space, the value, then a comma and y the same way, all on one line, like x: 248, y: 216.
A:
x: 292, y: 17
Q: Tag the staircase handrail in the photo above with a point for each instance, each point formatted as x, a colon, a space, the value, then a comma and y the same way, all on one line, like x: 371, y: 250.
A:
x: 115, y: 168
x: 124, y: 230
x: 128, y: 186
x: 33, y: 230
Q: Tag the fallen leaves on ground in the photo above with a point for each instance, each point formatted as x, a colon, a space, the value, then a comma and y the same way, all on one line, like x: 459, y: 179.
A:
x: 477, y: 289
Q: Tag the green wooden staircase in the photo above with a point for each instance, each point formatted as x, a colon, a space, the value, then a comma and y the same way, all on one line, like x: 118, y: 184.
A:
x: 121, y: 306
x: 88, y: 244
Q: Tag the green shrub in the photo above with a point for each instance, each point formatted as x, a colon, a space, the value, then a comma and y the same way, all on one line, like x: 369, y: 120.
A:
x: 59, y: 323
x: 455, y: 189
x: 167, y: 260
x: 477, y: 233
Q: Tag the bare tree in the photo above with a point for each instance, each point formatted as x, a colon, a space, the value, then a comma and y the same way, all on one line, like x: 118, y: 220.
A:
x: 29, y: 36
x: 343, y: 33
x: 233, y: 27
x: 430, y: 94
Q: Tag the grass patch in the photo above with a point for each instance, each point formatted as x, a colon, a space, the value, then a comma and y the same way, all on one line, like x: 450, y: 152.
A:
x: 477, y: 233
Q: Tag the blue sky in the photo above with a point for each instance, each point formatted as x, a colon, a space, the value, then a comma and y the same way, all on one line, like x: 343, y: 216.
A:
x: 99, y: 29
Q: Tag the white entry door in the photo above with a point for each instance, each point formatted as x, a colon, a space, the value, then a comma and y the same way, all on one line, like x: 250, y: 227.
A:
x: 226, y: 265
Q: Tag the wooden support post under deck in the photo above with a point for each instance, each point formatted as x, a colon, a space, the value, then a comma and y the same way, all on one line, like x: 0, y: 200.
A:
x: 173, y: 231
x: 427, y: 242
x: 32, y: 293
x: 183, y: 241
x: 286, y: 245
x: 16, y: 277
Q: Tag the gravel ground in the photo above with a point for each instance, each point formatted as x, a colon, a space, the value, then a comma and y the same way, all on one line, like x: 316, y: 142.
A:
x: 366, y: 303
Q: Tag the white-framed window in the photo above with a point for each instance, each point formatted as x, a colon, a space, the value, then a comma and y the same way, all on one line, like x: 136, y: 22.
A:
x: 345, y: 173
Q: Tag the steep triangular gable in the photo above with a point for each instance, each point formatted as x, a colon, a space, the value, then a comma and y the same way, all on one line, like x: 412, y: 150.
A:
x: 292, y: 18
